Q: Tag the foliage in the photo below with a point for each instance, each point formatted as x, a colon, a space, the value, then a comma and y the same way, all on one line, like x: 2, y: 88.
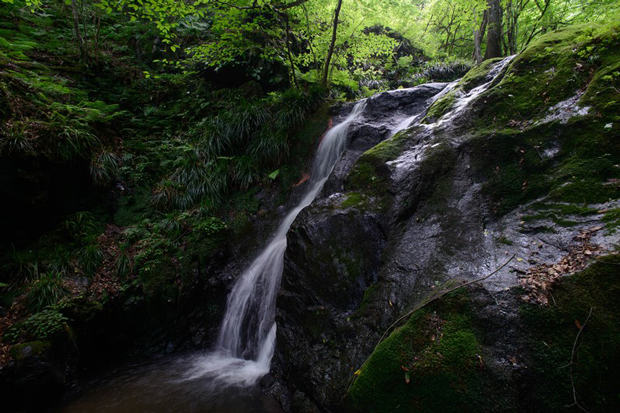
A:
x: 45, y: 324
x: 210, y: 226
x: 235, y: 148
x: 47, y: 290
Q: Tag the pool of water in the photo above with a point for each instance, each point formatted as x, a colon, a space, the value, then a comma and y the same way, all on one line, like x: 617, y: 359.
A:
x: 172, y: 384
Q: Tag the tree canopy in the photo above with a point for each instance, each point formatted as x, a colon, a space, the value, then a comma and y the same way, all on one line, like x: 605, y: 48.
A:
x: 304, y: 36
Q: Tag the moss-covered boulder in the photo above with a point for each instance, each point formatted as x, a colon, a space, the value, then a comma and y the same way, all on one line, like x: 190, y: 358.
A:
x: 430, y: 364
x: 519, y: 158
x: 472, y: 351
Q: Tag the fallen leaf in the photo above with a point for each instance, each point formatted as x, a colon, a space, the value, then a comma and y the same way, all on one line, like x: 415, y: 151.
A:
x: 578, y: 324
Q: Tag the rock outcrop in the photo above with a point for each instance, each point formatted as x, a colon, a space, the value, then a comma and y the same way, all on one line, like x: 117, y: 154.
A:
x: 500, y: 167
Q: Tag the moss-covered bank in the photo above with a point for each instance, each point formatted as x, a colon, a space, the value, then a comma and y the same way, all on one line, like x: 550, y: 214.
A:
x: 442, y: 358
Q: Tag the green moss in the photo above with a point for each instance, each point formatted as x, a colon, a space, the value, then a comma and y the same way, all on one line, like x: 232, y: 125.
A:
x: 612, y: 219
x: 369, y: 295
x: 389, y: 149
x: 354, y: 199
x: 477, y: 75
x: 581, y: 172
x: 23, y: 351
x: 504, y: 240
x: 552, y: 69
x: 440, y: 107
x: 553, y: 331
x: 566, y: 209
x: 559, y: 213
x: 436, y: 352
x: 369, y: 177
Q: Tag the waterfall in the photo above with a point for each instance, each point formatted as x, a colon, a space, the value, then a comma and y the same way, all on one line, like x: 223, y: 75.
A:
x: 246, y: 341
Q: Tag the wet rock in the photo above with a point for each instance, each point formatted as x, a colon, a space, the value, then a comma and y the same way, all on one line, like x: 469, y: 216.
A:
x: 38, y: 375
x: 438, y: 204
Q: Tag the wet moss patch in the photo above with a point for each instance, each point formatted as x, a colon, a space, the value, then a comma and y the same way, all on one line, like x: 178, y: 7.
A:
x: 446, y: 356
x: 474, y: 78
x: 440, y: 107
x: 354, y: 200
x: 573, y: 164
x: 477, y: 75
x: 561, y: 214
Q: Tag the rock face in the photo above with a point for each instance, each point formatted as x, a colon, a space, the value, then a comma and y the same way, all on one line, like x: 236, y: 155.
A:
x: 492, y: 172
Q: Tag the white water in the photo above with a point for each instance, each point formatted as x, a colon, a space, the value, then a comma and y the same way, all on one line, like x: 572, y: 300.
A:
x: 247, y: 336
x: 463, y: 101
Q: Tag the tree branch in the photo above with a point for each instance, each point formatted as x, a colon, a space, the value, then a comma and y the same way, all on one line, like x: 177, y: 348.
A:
x: 572, y: 362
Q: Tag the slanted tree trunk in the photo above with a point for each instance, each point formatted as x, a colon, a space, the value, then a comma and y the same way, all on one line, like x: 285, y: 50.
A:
x: 478, y: 36
x: 494, y: 31
x: 331, y: 45
x: 288, y: 49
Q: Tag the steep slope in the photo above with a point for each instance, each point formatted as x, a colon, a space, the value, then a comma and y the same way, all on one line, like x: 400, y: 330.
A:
x: 519, y: 159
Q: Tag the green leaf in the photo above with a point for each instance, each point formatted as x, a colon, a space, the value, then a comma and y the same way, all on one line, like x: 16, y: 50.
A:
x: 274, y: 174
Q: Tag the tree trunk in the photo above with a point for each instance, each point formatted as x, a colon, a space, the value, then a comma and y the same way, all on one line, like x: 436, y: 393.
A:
x: 78, y: 35
x: 288, y: 49
x: 494, y: 31
x: 478, y: 36
x: 332, y: 44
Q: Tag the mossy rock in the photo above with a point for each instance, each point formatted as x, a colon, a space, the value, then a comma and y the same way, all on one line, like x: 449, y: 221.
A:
x: 474, y: 78
x: 80, y: 309
x: 589, y: 300
x: 432, y: 363
x: 429, y: 364
x: 440, y: 107
x: 23, y: 351
x: 552, y: 69
x: 477, y: 75
x: 354, y: 200
x: 515, y: 168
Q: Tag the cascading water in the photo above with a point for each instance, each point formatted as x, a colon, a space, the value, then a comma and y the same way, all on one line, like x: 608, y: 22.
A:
x: 246, y: 340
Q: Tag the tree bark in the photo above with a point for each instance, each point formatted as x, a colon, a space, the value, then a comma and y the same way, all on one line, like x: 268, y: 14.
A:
x: 478, y: 36
x: 494, y: 31
x: 288, y: 49
x: 331, y: 45
x: 78, y: 34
